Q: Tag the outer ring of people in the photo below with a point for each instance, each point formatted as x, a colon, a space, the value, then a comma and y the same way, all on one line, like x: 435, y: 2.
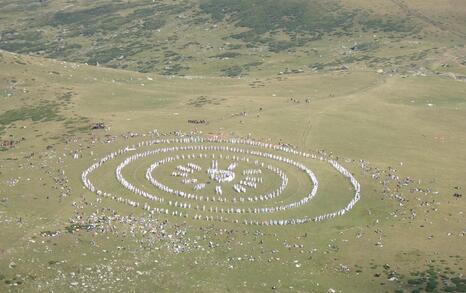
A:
x: 188, y: 210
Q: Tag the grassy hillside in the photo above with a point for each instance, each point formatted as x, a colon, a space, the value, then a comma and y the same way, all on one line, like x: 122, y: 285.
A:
x: 417, y: 121
x: 378, y: 86
x: 233, y: 38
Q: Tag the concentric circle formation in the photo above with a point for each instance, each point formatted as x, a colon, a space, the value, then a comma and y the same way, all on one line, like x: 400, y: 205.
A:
x: 215, y: 179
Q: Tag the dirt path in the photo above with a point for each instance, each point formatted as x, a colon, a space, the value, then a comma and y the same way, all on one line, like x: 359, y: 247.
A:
x: 306, y: 133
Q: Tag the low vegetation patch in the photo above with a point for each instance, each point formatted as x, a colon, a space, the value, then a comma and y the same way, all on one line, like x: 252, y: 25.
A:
x: 39, y: 113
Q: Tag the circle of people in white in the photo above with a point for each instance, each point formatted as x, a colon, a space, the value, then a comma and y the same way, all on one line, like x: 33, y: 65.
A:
x: 219, y: 211
x: 232, y: 210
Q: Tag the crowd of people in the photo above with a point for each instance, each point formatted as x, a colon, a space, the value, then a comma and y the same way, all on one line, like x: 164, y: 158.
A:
x: 220, y: 175
x: 201, y: 144
x: 239, y: 188
x: 189, y: 180
x: 252, y: 172
x: 199, y: 186
x: 250, y: 198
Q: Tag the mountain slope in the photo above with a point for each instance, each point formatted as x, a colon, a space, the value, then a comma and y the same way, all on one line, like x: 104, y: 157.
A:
x: 231, y: 38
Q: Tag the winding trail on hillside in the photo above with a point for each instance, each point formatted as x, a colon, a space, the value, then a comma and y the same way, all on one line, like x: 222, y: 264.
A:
x: 306, y: 132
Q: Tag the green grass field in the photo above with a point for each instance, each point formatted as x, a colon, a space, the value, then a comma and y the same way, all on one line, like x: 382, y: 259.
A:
x: 392, y: 112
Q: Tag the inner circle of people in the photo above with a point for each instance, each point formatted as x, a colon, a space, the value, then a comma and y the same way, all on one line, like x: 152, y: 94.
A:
x: 220, y: 176
x: 203, y: 148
